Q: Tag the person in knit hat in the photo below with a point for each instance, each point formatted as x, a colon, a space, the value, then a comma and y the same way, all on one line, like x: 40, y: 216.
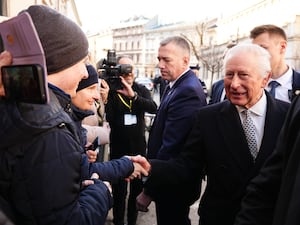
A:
x: 44, y: 177
x: 65, y: 46
x: 64, y: 42
x: 82, y: 103
x: 87, y: 94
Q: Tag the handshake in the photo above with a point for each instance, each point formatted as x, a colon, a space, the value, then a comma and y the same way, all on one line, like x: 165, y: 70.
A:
x: 141, y: 167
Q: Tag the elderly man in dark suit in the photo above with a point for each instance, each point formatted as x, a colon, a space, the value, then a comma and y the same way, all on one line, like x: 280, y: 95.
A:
x: 220, y: 145
x: 183, y: 96
x: 272, y: 197
x: 285, y: 80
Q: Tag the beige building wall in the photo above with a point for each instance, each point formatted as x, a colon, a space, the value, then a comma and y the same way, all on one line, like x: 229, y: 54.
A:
x: 141, y: 43
x: 238, y: 25
x: 99, y: 43
x: 129, y: 39
x: 154, y: 36
x: 13, y: 7
x: 232, y: 28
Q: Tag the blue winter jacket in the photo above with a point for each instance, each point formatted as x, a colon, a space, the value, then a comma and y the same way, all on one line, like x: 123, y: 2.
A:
x: 41, y: 167
x: 112, y: 170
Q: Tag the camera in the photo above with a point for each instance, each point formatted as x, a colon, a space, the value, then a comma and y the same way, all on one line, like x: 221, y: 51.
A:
x: 111, y: 72
x: 25, y: 83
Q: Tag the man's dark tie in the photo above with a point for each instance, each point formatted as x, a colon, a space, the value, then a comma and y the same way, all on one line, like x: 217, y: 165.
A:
x: 273, y: 85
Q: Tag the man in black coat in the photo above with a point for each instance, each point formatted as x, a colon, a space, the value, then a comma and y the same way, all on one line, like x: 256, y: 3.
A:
x: 217, y: 146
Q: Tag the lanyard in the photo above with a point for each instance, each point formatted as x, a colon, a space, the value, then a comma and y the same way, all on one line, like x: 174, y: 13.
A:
x: 123, y: 101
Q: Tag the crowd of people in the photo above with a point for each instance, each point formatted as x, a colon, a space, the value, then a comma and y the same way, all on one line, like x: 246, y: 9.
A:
x: 243, y: 142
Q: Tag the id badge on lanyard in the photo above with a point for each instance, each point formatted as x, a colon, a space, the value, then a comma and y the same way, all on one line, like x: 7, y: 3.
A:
x: 130, y: 119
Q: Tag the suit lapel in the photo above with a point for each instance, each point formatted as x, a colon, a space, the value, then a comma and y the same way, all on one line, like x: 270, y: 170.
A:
x: 169, y: 93
x: 235, y: 140
x: 271, y: 125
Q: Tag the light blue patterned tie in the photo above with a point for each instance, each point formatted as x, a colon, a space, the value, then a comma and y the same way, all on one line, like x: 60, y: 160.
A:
x: 249, y: 130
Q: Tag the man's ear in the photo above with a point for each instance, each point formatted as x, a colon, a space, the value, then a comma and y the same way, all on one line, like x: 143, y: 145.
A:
x: 266, y: 79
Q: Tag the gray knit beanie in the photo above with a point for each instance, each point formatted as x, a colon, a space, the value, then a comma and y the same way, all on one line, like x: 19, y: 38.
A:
x: 63, y: 41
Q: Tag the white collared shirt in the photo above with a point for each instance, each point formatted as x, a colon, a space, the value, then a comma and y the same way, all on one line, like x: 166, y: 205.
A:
x: 258, y: 115
x: 285, y: 81
x: 174, y: 81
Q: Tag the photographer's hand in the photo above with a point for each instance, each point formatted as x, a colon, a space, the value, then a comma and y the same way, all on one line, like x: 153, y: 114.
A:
x: 127, y: 89
x: 5, y: 60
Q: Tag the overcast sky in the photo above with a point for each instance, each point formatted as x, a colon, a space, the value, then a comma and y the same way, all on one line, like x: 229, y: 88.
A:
x: 97, y: 14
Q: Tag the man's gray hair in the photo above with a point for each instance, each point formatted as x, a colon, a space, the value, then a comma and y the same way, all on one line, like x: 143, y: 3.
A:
x: 262, y: 55
x: 177, y: 40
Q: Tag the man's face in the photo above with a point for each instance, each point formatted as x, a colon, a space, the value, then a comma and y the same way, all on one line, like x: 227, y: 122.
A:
x: 68, y: 79
x: 275, y: 45
x: 85, y: 98
x: 173, y: 61
x: 243, y: 83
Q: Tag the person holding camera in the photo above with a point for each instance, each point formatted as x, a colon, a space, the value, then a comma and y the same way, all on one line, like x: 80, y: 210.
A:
x: 125, y: 111
x: 96, y: 124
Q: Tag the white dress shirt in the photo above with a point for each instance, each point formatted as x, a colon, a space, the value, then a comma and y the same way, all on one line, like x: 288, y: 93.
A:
x: 285, y: 81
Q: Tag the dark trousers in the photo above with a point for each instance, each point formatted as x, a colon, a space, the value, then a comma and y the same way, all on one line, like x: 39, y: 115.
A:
x: 172, y: 211
x: 119, y: 194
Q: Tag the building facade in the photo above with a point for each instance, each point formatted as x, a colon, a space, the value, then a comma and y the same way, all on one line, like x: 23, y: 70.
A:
x: 139, y: 37
x: 209, y: 38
